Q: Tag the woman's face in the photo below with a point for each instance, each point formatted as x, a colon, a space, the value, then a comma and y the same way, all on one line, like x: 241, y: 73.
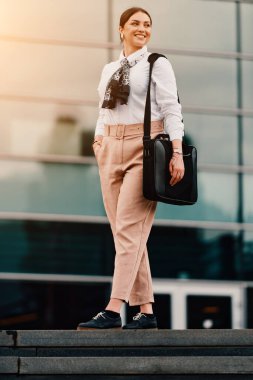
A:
x: 136, y: 31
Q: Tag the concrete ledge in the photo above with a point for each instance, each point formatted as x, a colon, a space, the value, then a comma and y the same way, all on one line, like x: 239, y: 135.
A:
x: 7, y: 338
x: 143, y: 338
x: 125, y: 377
x: 142, y: 365
x: 138, y: 351
x: 8, y: 364
x: 23, y: 351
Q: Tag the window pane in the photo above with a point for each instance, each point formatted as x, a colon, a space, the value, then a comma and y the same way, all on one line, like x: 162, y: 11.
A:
x: 56, y: 247
x: 248, y: 141
x: 63, y: 20
x: 247, y: 258
x: 50, y: 188
x: 193, y: 253
x: 247, y: 84
x: 40, y: 70
x: 207, y: 132
x: 75, y: 189
x: 248, y: 198
x: 31, y: 128
x: 247, y: 27
x: 42, y: 302
x: 205, y: 81
x: 186, y: 23
x: 80, y: 248
x: 217, y: 200
x: 48, y: 126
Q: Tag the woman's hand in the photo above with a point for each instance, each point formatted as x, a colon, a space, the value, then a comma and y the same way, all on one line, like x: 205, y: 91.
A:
x: 176, y: 168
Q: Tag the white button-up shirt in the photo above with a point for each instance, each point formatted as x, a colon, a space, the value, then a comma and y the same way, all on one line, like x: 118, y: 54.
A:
x: 164, y: 101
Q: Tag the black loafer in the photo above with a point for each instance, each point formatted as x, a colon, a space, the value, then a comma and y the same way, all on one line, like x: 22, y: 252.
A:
x: 101, y: 321
x: 141, y: 321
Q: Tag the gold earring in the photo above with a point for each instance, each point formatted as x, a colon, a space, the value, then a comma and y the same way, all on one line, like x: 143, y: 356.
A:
x: 121, y: 36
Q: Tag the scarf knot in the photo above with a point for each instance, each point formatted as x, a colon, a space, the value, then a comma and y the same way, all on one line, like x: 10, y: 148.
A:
x: 118, y: 87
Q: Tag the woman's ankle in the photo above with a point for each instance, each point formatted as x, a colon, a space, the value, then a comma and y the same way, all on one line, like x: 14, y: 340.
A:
x: 146, y: 308
x: 114, y: 305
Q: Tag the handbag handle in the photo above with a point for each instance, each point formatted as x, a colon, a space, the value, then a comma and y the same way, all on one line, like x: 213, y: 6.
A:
x: 147, y: 114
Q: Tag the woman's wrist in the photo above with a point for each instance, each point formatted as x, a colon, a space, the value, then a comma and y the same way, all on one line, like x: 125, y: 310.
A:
x: 176, y: 155
x: 177, y: 151
x: 177, y: 146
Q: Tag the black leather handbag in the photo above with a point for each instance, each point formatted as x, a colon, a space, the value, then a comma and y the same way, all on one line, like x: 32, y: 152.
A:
x: 157, y: 154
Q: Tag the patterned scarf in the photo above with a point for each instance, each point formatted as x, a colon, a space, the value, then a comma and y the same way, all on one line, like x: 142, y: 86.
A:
x: 118, y: 87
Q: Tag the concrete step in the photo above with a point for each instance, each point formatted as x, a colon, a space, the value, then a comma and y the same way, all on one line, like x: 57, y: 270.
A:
x: 128, y: 366
x: 179, y: 354
x: 141, y: 365
x: 126, y: 338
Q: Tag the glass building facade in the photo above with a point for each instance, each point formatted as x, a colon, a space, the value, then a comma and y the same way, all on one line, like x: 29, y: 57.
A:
x: 52, y: 219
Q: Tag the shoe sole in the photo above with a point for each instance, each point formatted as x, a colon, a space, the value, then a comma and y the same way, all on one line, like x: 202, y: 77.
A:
x: 94, y: 328
x: 155, y: 328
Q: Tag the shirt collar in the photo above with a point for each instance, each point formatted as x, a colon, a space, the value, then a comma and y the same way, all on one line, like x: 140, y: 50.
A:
x: 132, y: 57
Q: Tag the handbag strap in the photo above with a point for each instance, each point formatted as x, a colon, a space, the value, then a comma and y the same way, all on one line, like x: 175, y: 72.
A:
x: 147, y: 115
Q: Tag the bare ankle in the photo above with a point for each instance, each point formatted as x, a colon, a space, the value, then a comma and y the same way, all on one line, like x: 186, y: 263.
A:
x: 146, y: 308
x: 114, y: 305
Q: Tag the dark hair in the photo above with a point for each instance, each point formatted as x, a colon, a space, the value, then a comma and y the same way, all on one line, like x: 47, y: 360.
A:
x: 130, y: 12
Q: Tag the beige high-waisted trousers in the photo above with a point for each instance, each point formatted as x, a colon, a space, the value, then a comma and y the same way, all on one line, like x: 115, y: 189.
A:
x: 130, y: 215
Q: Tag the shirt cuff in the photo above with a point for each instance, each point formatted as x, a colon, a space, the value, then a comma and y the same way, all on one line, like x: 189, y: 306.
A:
x: 99, y: 130
x: 176, y: 135
x: 174, y: 127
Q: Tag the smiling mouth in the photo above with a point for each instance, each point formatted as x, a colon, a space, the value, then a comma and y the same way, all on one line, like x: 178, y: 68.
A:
x: 140, y: 35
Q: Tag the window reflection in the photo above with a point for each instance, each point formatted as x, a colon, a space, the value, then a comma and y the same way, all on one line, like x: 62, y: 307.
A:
x: 65, y: 188
x: 187, y: 23
x: 247, y: 76
x: 247, y: 259
x: 81, y: 248
x: 218, y: 199
x: 207, y: 254
x: 205, y: 81
x: 207, y: 132
x: 247, y: 27
x: 67, y: 20
x: 248, y: 141
x: 50, y: 188
x: 31, y: 128
x: 248, y: 198
x: 60, y: 72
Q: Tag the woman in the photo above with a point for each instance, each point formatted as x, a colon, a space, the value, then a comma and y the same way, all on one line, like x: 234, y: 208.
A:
x: 118, y: 150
